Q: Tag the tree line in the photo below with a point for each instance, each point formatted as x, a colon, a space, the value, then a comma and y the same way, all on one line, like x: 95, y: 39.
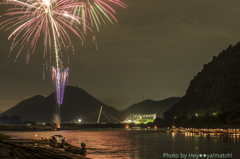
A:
x: 14, y: 120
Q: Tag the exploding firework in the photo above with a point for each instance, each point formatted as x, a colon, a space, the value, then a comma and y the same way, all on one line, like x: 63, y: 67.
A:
x: 30, y: 18
x: 53, y: 19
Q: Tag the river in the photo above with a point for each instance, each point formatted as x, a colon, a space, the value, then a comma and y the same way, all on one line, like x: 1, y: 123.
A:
x: 144, y: 143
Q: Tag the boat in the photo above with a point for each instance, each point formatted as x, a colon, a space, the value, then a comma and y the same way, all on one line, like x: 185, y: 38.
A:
x: 168, y: 130
x: 38, y: 141
x: 58, y: 141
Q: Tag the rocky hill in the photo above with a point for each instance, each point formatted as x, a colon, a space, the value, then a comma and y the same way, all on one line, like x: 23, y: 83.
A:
x: 149, y: 107
x: 215, y: 89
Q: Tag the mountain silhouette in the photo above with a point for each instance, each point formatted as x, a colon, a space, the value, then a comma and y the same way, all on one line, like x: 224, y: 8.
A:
x: 215, y: 89
x: 24, y: 106
x: 77, y: 104
x: 149, y: 107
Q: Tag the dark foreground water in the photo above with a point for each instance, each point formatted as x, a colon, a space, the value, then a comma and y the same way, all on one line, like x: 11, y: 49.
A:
x: 144, y: 144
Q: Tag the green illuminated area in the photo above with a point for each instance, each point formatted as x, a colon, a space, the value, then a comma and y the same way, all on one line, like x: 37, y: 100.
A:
x: 140, y: 118
x: 145, y: 121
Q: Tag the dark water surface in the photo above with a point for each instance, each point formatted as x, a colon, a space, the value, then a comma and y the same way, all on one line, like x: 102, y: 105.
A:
x: 143, y: 144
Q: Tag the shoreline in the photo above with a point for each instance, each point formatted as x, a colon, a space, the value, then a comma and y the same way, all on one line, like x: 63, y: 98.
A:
x: 38, y: 148
x: 82, y: 126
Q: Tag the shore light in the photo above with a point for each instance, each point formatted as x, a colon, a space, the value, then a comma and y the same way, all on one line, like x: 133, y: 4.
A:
x: 79, y: 120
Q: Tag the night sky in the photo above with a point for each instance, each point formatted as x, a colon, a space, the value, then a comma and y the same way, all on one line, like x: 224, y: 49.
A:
x: 154, y: 51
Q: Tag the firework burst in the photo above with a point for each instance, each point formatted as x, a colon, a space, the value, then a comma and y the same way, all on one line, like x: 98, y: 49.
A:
x: 52, y: 19
x: 31, y: 18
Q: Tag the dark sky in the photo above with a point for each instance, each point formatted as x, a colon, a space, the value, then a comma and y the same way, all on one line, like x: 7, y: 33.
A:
x: 154, y: 51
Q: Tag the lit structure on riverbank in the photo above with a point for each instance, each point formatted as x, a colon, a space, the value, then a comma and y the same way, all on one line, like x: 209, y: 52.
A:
x: 140, y: 118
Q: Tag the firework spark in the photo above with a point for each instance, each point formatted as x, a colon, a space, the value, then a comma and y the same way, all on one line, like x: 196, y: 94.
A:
x: 95, y: 11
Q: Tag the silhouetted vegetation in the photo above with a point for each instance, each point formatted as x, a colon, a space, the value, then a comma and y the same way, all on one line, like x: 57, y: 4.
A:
x: 227, y: 118
x: 10, y: 120
x: 14, y: 120
x: 2, y: 137
x: 160, y: 122
x: 30, y: 122
x: 214, y: 90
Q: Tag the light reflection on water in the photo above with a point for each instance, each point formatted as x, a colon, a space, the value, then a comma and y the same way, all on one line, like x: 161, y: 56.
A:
x: 122, y: 144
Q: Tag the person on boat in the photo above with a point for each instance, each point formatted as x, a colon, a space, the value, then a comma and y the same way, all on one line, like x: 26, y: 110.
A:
x: 54, y: 139
x: 63, y: 143
x: 83, y: 149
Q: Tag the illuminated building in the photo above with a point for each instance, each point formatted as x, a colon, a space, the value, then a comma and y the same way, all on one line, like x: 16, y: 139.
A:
x: 140, y: 118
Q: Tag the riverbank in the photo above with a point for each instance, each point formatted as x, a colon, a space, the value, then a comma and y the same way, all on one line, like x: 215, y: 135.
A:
x: 229, y: 131
x: 213, y: 126
x: 15, y: 151
x: 12, y: 148
x: 2, y: 137
x: 66, y: 126
x: 23, y: 127
x: 82, y: 126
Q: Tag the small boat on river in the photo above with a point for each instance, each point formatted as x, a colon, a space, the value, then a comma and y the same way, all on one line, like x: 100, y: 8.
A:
x: 61, y: 143
x: 168, y: 130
